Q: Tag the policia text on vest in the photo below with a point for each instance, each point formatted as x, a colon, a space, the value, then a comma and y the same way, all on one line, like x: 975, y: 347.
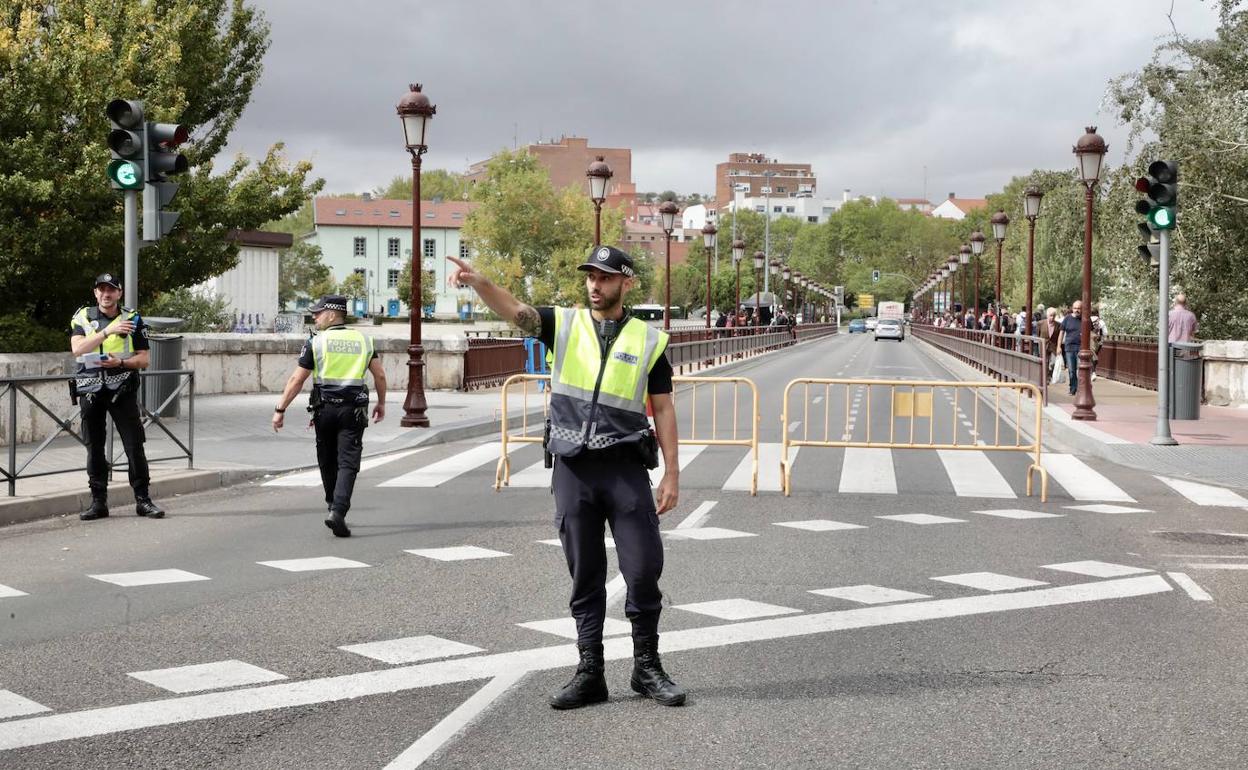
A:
x: 337, y: 358
x: 110, y: 345
x: 604, y: 368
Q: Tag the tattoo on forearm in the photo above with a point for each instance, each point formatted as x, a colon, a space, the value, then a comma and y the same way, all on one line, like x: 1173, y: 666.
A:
x: 528, y: 320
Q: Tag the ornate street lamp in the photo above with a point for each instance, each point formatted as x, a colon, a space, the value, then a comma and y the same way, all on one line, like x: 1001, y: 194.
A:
x: 760, y: 259
x: 708, y: 241
x: 599, y: 174
x: 953, y: 283
x: 415, y: 111
x: 999, y: 224
x: 786, y: 274
x: 1031, y: 209
x: 668, y: 212
x: 738, y: 254
x: 1090, y: 151
x: 964, y: 264
x: 977, y: 249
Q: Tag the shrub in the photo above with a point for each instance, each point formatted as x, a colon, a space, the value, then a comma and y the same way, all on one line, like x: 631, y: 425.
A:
x: 19, y: 334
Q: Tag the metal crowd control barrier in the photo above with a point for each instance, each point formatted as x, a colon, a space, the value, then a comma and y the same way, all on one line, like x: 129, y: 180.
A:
x: 12, y: 386
x: 502, y: 475
x: 910, y: 401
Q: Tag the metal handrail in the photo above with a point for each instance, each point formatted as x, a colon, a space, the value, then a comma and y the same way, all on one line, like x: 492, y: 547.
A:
x: 994, y: 353
x: 12, y: 386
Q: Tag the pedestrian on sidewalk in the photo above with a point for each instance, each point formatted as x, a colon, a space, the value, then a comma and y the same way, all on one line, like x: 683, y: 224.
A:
x: 1051, y: 331
x: 1099, y: 332
x: 337, y: 359
x: 1182, y: 322
x: 110, y: 344
x: 1071, y: 337
x: 601, y: 444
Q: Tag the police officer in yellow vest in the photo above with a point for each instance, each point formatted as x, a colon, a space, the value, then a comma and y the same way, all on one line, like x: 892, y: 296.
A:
x: 110, y: 344
x: 337, y: 358
x: 605, y: 365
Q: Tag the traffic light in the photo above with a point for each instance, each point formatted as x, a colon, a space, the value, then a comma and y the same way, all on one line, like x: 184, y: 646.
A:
x: 875, y: 276
x: 1161, y: 186
x: 1150, y: 249
x: 126, y: 142
x: 163, y: 159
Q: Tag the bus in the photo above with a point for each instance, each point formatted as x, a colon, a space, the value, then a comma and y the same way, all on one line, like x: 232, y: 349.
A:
x: 654, y: 312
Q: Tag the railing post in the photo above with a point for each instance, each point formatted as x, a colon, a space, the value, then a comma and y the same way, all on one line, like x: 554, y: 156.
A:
x: 190, y: 417
x: 12, y: 440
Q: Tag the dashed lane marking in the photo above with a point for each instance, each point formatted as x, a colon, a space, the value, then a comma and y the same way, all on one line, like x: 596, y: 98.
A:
x: 14, y: 705
x: 1106, y: 508
x: 1204, y: 494
x: 457, y: 553
x: 313, y: 564
x: 566, y: 627
x: 1018, y: 513
x: 1182, y: 580
x: 922, y: 518
x: 313, y: 478
x: 707, y: 533
x: 10, y: 593
x: 869, y: 594
x: 1098, y: 569
x: 149, y: 577
x: 736, y: 609
x: 207, y: 676
x: 411, y: 649
x: 818, y: 525
x: 990, y: 581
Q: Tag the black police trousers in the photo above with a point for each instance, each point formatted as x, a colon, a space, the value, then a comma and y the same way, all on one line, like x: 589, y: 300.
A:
x: 123, y: 405
x: 598, y: 488
x: 339, y: 443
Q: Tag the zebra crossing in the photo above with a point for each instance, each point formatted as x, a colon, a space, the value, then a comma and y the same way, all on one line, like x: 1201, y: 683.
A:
x: 969, y: 473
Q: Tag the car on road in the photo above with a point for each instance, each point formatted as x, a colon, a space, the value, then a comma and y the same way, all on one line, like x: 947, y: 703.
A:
x: 857, y: 325
x: 871, y: 322
x: 890, y: 329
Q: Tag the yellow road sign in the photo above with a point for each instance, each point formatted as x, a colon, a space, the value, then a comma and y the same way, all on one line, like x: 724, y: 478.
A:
x: 866, y: 300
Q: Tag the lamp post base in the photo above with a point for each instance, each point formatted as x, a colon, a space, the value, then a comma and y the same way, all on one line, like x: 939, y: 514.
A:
x: 414, y: 406
x: 1084, y: 402
x: 1163, y: 441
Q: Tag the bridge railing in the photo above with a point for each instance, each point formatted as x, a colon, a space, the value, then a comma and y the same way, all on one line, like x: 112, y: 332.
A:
x: 1007, y: 357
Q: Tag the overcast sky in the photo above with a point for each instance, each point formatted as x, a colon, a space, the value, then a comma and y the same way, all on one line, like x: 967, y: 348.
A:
x: 870, y: 93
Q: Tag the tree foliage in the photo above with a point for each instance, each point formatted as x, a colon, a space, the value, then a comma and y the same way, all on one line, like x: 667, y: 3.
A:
x: 301, y: 273
x: 192, y: 61
x: 434, y: 183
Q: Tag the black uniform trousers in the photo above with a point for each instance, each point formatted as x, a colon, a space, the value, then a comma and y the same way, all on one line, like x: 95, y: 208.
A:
x: 123, y: 405
x: 598, y: 488
x: 339, y: 443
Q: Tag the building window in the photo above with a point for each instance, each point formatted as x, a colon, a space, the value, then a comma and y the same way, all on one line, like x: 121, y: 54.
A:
x: 812, y: 219
x: 430, y: 246
x: 777, y: 209
x: 789, y: 209
x: 359, y: 247
x: 392, y: 278
x: 761, y: 209
x: 780, y: 189
x: 392, y: 248
x: 463, y: 250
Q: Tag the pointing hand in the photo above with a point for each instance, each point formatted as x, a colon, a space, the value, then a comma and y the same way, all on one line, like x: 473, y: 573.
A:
x: 462, y: 275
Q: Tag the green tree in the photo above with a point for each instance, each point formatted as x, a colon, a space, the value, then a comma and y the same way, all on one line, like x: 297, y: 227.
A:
x: 353, y: 286
x: 191, y: 61
x: 404, y: 288
x: 434, y: 183
x: 300, y: 272
x: 199, y: 312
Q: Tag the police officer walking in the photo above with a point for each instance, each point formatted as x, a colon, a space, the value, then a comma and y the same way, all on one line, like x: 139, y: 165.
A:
x: 337, y: 359
x: 605, y: 365
x: 110, y: 344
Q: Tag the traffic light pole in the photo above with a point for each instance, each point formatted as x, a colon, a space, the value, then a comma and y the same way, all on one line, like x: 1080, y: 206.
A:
x: 131, y: 224
x: 1163, y: 437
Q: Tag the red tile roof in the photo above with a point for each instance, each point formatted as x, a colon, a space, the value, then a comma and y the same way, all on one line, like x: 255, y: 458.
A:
x: 381, y: 212
x: 967, y: 205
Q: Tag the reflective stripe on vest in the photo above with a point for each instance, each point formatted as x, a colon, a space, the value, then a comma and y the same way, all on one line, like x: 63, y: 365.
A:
x: 91, y: 379
x: 340, y: 357
x: 596, y: 403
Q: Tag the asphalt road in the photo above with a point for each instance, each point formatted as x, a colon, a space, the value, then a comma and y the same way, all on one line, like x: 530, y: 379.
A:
x: 982, y: 628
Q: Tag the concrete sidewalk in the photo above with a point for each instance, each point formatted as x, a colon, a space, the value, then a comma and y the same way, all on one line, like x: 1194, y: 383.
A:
x: 1213, y: 449
x: 235, y: 442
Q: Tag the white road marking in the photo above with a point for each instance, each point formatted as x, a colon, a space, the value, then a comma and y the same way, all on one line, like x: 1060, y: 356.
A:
x: 108, y: 720
x: 608, y: 541
x: 794, y: 425
x: 455, y: 722
x: 974, y: 475
x: 14, y: 705
x: 1209, y: 565
x: 615, y: 588
x: 768, y: 469
x: 736, y: 609
x: 1190, y: 587
x: 446, y: 469
x: 566, y: 627
x: 687, y: 454
x: 456, y: 553
x: 149, y: 577
x: 1204, y: 494
x: 1080, y: 481
x: 1018, y: 513
x: 707, y: 533
x: 868, y: 471
x: 1107, y: 508
x: 818, y: 525
x: 313, y: 478
x: 411, y: 649
x: 922, y: 518
x: 1098, y: 569
x: 869, y: 594
x: 990, y: 581
x: 695, y: 517
x: 207, y: 676
x: 817, y: 400
x: 536, y: 476
x: 313, y: 564
x: 9, y: 593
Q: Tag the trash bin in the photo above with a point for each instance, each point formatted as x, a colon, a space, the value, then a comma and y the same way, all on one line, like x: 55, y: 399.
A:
x: 1186, y: 380
x: 165, y: 355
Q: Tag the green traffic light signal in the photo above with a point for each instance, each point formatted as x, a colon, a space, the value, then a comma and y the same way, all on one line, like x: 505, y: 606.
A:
x: 125, y: 174
x: 1162, y: 218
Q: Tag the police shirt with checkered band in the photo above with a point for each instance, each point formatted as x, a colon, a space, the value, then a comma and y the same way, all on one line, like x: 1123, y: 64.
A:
x: 138, y: 337
x: 660, y: 377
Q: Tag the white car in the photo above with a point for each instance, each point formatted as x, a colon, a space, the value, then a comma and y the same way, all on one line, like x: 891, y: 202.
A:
x: 890, y: 329
x: 871, y: 322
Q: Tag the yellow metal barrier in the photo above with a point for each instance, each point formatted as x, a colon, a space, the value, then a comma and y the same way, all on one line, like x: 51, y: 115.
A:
x: 736, y: 437
x: 913, y: 401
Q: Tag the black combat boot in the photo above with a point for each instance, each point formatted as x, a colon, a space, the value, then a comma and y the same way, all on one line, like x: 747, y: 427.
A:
x: 145, y: 507
x: 649, y: 678
x: 588, y: 685
x: 98, y: 509
x: 338, y: 523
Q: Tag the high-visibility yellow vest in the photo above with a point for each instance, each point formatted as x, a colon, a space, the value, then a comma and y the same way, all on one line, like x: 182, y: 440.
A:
x: 340, y: 358
x: 91, y: 378
x: 598, y: 399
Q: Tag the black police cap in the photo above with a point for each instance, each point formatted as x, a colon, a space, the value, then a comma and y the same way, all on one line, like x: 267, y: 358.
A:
x: 107, y: 279
x: 609, y: 259
x: 329, y: 302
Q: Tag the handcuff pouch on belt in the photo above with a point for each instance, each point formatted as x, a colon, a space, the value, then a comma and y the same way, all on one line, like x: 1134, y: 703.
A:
x: 648, y: 448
